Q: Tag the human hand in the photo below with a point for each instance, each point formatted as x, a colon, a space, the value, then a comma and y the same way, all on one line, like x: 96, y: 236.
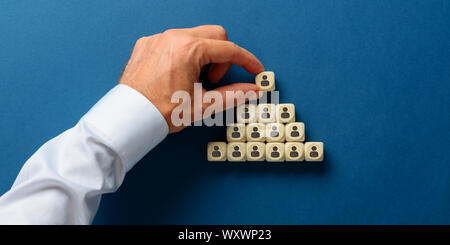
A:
x: 171, y: 61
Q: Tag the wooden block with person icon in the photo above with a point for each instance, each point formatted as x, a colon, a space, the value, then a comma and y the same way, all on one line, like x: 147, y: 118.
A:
x: 294, y: 152
x: 266, y: 113
x: 265, y: 81
x: 217, y: 151
x: 275, y: 152
x: 256, y: 132
x: 314, y: 151
x: 236, y: 152
x: 256, y: 151
x: 246, y: 113
x: 285, y: 113
x: 295, y: 132
x: 236, y: 132
x: 275, y: 132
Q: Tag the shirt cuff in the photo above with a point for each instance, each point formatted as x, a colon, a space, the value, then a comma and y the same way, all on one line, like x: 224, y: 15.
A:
x: 130, y: 122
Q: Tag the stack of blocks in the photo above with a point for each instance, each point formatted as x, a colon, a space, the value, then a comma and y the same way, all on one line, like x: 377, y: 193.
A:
x: 266, y: 132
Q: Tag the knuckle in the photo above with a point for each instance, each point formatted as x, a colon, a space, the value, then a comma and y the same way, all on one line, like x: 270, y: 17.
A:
x: 171, y: 32
x: 234, y: 45
x: 188, y: 47
x: 141, y: 40
x: 221, y: 31
x: 187, y: 42
x: 235, y: 49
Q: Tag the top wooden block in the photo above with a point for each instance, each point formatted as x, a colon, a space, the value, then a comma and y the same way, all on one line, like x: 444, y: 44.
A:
x: 265, y: 81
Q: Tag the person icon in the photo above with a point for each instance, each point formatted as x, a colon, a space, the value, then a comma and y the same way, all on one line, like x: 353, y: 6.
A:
x: 266, y: 113
x: 246, y: 115
x: 313, y: 152
x: 255, y: 134
x: 265, y: 82
x: 216, y: 152
x: 236, y: 152
x: 255, y: 152
x: 275, y: 152
x: 274, y: 132
x: 294, y: 132
x: 235, y: 134
x: 285, y: 113
x: 294, y: 152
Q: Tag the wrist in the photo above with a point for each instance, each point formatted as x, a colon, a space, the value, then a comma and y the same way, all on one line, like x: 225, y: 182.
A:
x: 129, y: 121
x: 157, y: 99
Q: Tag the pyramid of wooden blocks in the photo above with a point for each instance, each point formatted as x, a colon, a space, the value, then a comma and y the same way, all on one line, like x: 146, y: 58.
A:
x: 266, y: 132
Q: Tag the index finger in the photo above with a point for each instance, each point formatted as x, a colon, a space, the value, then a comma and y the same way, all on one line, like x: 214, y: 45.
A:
x: 208, y: 31
x: 219, y: 51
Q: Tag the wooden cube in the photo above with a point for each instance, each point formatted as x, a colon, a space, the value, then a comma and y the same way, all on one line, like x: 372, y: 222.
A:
x: 236, y: 133
x: 217, y: 151
x: 236, y: 152
x: 275, y: 132
x: 265, y: 81
x: 285, y: 113
x: 294, y: 151
x: 314, y: 151
x: 256, y: 132
x: 256, y: 151
x: 295, y: 132
x: 275, y: 152
x: 266, y: 113
x: 246, y: 113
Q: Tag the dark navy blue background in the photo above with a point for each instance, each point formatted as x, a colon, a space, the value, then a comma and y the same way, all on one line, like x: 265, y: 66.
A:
x: 371, y: 79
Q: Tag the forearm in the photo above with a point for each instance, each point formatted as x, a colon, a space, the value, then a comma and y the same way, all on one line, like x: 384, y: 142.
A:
x: 63, y: 181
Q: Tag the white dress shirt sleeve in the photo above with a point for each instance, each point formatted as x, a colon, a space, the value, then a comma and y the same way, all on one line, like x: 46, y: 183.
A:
x: 63, y: 181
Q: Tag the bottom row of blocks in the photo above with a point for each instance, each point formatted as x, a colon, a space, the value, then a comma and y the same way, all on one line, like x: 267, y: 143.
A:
x: 271, y: 152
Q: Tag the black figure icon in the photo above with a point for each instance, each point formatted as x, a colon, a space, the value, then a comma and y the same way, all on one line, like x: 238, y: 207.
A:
x: 285, y: 113
x: 246, y: 115
x: 294, y: 132
x: 255, y: 152
x: 236, y: 152
x: 266, y: 113
x: 314, y: 153
x: 255, y: 133
x: 274, y: 132
x: 294, y: 152
x: 235, y: 134
x: 265, y: 82
x: 275, y: 152
x: 216, y: 152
